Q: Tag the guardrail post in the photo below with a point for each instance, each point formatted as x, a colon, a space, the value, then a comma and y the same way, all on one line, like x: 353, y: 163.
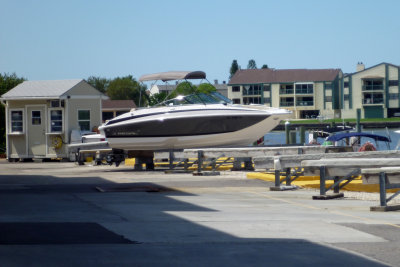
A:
x: 322, y: 173
x: 288, y: 177
x: 337, y: 187
x: 302, y: 135
x: 287, y: 130
x: 171, y: 160
x: 199, y: 160
x: 277, y: 178
x: 382, y: 188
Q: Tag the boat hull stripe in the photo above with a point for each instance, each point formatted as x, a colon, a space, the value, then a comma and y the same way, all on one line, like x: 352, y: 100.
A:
x: 184, y: 126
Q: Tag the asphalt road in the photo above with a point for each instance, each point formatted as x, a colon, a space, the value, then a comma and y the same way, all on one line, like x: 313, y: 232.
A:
x: 61, y: 214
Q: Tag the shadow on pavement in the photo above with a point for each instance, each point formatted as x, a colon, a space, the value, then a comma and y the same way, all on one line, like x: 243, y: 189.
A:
x: 85, y: 227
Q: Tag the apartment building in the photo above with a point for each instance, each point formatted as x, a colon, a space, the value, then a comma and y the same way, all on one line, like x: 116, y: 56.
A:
x: 309, y: 93
x: 374, y: 90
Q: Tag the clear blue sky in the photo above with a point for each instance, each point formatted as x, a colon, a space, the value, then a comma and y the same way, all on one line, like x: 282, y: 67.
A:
x: 65, y: 39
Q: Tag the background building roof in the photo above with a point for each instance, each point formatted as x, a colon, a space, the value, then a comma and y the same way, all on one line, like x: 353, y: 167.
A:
x: 249, y: 76
x: 118, y: 104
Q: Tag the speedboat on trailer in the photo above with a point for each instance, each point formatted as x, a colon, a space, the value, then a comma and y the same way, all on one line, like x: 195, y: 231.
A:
x: 193, y: 121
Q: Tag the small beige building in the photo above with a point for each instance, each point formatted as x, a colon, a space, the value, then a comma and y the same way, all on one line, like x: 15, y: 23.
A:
x: 40, y: 116
x: 309, y: 93
x: 374, y: 90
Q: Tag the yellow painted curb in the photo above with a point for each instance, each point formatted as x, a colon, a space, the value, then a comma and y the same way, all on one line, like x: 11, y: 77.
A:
x: 130, y: 162
x: 271, y: 177
x: 224, y: 167
x: 313, y: 182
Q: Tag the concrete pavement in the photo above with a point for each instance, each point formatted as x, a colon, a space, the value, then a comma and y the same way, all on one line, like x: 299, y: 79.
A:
x: 51, y: 214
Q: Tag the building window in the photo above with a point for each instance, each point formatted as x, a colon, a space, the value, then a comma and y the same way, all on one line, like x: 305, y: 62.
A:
x: 371, y: 85
x: 393, y: 96
x: 56, y: 120
x: 235, y: 88
x: 286, y: 89
x: 236, y: 101
x: 328, y: 98
x: 328, y: 86
x: 373, y: 98
x: 251, y: 100
x: 36, y: 117
x: 305, y: 88
x: 17, y: 121
x: 267, y: 100
x: 55, y: 103
x: 107, y: 115
x: 286, y: 102
x: 254, y: 89
x: 346, y: 97
x: 305, y: 101
x: 346, y: 85
x: 393, y: 82
x: 84, y: 120
x: 267, y: 87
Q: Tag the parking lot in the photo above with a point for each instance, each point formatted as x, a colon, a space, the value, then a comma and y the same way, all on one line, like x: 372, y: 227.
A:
x: 62, y: 214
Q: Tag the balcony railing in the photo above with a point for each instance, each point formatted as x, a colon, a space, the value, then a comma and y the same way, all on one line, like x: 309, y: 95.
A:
x: 375, y: 87
x: 252, y: 92
x: 304, y: 103
x: 373, y: 101
x: 286, y: 91
x: 308, y: 91
x: 286, y: 104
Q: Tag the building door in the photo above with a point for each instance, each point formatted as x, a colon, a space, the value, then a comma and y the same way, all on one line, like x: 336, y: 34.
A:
x: 373, y: 112
x: 36, y: 131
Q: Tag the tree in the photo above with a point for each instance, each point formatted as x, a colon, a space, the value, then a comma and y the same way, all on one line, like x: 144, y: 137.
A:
x: 265, y: 66
x: 127, y: 88
x: 184, y: 88
x: 252, y: 64
x: 206, y: 88
x: 234, y: 68
x: 157, y: 98
x: 7, y: 82
x: 99, y: 83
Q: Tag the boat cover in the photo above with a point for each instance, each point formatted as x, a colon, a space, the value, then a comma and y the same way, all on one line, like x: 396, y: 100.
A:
x: 340, y: 136
x: 173, y: 75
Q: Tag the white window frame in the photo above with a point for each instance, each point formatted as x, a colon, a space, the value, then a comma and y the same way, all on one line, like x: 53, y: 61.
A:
x: 89, y: 120
x: 50, y: 121
x: 10, y: 131
x: 41, y: 118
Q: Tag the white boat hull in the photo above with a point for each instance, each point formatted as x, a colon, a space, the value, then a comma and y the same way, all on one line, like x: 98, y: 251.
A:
x: 243, y: 137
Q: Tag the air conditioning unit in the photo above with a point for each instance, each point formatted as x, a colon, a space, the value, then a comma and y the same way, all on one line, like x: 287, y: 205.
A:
x: 57, y: 103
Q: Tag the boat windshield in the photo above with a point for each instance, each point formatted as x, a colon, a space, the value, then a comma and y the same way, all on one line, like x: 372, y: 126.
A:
x: 199, y: 98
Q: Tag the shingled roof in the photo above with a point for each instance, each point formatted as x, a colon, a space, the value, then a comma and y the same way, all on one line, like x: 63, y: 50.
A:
x: 250, y: 76
x: 117, y: 104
